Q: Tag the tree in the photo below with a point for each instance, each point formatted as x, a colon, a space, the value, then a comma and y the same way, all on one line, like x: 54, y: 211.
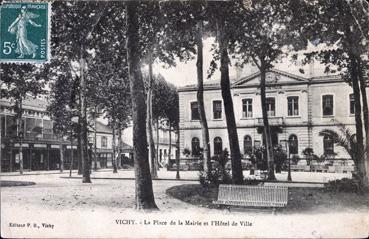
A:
x: 62, y: 109
x: 268, y: 34
x: 109, y: 86
x: 70, y: 29
x: 345, y: 27
x: 190, y: 30
x: 225, y: 28
x: 160, y: 42
x: 344, y: 138
x: 144, y: 193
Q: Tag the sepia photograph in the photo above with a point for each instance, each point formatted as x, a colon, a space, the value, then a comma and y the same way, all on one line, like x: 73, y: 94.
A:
x: 184, y: 118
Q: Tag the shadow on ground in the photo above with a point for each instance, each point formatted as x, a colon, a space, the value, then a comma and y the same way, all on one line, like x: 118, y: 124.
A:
x: 304, y: 200
x: 5, y: 183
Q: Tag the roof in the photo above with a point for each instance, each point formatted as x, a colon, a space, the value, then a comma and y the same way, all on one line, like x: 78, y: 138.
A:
x: 102, y: 128
x: 29, y: 103
x: 126, y: 146
x: 215, y: 84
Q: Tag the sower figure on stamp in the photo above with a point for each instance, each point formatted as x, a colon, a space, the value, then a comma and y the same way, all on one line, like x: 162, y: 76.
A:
x: 19, y: 27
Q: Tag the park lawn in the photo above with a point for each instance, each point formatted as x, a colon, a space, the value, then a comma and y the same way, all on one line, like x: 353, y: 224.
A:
x: 307, y: 200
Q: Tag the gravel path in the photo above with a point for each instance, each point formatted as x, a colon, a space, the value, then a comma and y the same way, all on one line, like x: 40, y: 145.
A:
x: 91, y: 210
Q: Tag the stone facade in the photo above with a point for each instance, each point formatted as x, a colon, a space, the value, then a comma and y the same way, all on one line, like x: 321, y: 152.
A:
x: 300, y: 108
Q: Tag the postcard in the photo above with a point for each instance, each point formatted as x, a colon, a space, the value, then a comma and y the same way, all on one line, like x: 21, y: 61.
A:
x: 184, y: 119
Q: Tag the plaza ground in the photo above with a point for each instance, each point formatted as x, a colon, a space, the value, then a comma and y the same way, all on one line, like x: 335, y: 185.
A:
x: 90, y: 210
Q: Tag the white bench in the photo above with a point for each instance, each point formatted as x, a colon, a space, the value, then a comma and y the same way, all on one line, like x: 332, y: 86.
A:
x: 252, y: 196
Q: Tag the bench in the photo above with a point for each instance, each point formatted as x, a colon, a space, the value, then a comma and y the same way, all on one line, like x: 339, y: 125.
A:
x: 252, y: 196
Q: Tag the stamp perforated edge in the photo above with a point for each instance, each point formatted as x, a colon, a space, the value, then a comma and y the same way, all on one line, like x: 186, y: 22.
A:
x: 29, y: 61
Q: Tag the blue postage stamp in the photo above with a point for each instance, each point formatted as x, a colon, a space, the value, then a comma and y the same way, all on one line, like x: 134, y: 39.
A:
x: 25, y: 32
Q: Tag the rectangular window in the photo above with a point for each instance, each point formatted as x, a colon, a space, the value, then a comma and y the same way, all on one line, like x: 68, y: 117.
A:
x: 247, y: 108
x: 217, y: 109
x: 293, y: 105
x: 270, y: 104
x: 195, y: 111
x: 352, y: 104
x: 104, y: 142
x: 327, y: 105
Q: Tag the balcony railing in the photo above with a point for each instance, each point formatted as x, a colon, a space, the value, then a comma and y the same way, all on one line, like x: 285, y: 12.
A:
x: 271, y: 120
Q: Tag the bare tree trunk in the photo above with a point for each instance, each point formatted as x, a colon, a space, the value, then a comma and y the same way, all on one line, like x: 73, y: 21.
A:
x: 79, y: 147
x: 119, y: 160
x: 177, y: 158
x: 170, y: 143
x: 363, y: 86
x: 154, y: 173
x: 354, y: 68
x: 144, y: 196
x: 20, y: 133
x: 200, y: 100
x: 157, y: 146
x: 267, y: 135
x: 79, y: 139
x: 71, y: 154
x: 83, y: 134
x: 237, y: 174
x: 95, y: 142
x: 61, y: 167
x: 114, y: 160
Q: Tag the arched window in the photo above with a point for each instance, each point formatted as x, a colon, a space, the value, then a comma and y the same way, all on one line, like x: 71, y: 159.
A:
x: 218, y: 145
x: 328, y: 144
x: 293, y: 144
x: 247, y: 144
x: 195, y: 144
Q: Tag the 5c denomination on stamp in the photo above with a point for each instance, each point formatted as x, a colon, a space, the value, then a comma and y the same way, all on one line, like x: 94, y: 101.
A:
x: 25, y: 32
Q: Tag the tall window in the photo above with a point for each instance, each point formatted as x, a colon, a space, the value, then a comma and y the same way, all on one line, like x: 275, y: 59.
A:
x: 293, y: 105
x: 247, y: 108
x: 327, y: 105
x: 218, y: 145
x: 247, y: 144
x: 195, y: 146
x: 352, y: 104
x: 270, y: 104
x: 195, y: 111
x: 293, y: 144
x: 328, y: 144
x: 217, y: 109
x: 104, y: 142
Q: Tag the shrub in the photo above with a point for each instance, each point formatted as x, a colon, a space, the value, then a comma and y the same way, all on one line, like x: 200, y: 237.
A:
x: 280, y: 157
x: 295, y: 159
x: 344, y: 185
x: 260, y: 157
x: 215, y: 177
x: 309, y: 155
x: 250, y: 181
x: 186, y: 152
x: 326, y: 157
x: 219, y: 174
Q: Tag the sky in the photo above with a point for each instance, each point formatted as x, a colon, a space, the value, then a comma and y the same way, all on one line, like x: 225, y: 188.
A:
x: 185, y: 73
